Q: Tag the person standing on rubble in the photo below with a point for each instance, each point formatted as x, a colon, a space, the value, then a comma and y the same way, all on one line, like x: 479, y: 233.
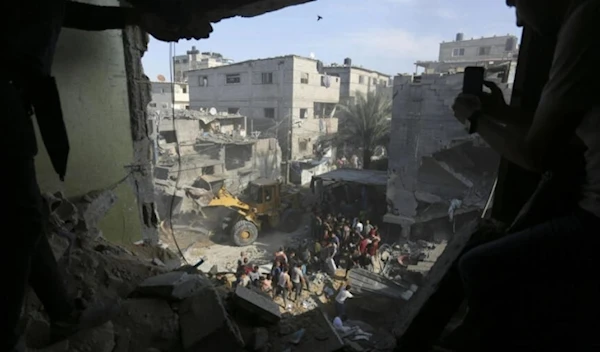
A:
x: 340, y: 300
x: 30, y: 31
x: 536, y: 314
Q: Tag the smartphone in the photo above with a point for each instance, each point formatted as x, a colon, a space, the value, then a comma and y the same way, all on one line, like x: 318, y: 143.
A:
x: 473, y: 80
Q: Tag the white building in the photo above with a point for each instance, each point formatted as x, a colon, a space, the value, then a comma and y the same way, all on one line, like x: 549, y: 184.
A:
x: 354, y: 79
x: 454, y: 56
x: 281, y: 94
x: 194, y: 60
x: 163, y: 94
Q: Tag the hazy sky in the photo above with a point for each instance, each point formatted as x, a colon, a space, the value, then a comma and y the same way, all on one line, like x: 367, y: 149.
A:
x: 383, y: 35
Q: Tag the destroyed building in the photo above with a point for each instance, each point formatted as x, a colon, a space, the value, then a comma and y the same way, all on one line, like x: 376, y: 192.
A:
x: 439, y: 176
x: 208, y: 150
x: 288, y: 97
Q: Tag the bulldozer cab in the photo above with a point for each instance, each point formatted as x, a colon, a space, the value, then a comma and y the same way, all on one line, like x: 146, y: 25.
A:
x: 264, y: 195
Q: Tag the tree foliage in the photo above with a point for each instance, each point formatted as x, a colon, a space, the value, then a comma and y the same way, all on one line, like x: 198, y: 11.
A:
x: 365, y: 123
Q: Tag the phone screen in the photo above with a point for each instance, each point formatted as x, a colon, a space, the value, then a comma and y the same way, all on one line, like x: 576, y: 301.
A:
x: 473, y: 80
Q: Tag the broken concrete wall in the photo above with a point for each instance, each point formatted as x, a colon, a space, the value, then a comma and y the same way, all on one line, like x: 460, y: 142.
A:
x: 92, y: 75
x: 268, y: 158
x: 432, y: 159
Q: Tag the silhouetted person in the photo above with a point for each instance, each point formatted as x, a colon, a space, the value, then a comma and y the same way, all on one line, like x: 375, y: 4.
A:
x: 522, y: 294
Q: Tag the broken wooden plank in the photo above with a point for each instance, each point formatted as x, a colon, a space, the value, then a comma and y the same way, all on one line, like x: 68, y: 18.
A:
x: 421, y: 321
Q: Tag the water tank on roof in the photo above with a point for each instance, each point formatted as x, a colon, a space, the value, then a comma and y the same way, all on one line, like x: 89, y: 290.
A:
x: 347, y: 61
x: 511, y: 44
x: 460, y: 37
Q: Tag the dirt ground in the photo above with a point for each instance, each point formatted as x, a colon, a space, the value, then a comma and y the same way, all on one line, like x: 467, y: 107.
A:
x: 217, y: 249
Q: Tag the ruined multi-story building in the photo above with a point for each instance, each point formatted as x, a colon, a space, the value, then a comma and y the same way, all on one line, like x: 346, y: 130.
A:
x: 194, y: 60
x: 208, y: 150
x: 355, y: 79
x: 454, y: 56
x: 167, y: 96
x: 439, y: 175
x: 289, y: 97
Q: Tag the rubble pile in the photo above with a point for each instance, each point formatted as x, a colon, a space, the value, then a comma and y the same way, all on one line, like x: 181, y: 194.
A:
x: 410, y: 261
x: 164, y: 306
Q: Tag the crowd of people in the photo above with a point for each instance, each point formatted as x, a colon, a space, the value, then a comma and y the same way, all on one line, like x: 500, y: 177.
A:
x: 340, y: 239
x: 335, y: 241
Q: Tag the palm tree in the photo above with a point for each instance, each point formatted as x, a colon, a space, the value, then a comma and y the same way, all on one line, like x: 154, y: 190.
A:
x: 365, y: 123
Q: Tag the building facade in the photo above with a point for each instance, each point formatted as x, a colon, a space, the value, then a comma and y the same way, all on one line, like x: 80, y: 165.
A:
x: 289, y: 96
x: 454, y: 56
x: 355, y: 80
x: 194, y: 60
x: 439, y: 176
x: 196, y: 149
x: 167, y: 96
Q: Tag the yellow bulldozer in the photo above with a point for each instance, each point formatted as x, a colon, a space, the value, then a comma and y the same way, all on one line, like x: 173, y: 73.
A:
x: 266, y: 204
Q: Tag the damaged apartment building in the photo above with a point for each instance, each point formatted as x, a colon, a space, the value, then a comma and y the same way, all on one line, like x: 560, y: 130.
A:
x: 439, y: 176
x: 207, y: 150
x: 290, y: 98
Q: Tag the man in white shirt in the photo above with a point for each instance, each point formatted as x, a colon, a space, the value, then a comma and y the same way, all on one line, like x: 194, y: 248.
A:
x: 359, y: 227
x: 340, y: 300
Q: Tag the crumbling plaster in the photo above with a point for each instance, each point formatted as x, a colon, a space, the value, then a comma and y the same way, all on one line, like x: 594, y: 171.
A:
x: 431, y: 155
x: 94, y: 82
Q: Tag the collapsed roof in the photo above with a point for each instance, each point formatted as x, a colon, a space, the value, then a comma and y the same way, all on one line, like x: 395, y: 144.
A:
x: 196, y: 16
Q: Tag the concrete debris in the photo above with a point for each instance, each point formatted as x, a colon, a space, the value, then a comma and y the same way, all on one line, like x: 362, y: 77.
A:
x: 150, y: 323
x: 175, y: 285
x: 258, y: 304
x: 92, y: 207
x: 205, y: 324
x: 261, y: 339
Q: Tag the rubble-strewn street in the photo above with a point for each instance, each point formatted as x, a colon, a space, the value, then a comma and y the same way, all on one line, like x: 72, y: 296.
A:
x: 163, y: 305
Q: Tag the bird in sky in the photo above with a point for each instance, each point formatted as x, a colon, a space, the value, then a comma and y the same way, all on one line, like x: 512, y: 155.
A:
x: 319, y: 18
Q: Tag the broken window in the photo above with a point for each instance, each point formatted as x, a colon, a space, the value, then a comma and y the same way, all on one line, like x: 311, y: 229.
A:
x: 169, y: 136
x: 458, y: 52
x: 233, y: 78
x: 303, y: 113
x: 165, y: 105
x: 361, y: 79
x: 208, y: 170
x: 485, y: 50
x: 152, y: 105
x: 303, y: 145
x: 236, y: 156
x: 203, y: 81
x: 184, y: 89
x: 233, y: 111
x: 304, y: 78
x: 270, y: 113
x: 187, y: 107
x: 384, y: 83
x: 267, y: 78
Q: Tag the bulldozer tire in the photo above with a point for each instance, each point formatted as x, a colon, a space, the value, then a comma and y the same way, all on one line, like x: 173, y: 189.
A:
x: 244, y: 233
x: 291, y: 219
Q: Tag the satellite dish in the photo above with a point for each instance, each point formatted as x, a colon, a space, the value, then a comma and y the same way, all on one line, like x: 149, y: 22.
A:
x: 161, y: 78
x: 312, y: 55
x: 212, y: 111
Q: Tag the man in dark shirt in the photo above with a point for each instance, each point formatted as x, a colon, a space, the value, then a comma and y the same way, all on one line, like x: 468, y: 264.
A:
x: 541, y: 312
x: 30, y: 31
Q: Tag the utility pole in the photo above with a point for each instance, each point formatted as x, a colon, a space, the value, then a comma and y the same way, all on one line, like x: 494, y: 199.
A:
x: 289, y: 151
